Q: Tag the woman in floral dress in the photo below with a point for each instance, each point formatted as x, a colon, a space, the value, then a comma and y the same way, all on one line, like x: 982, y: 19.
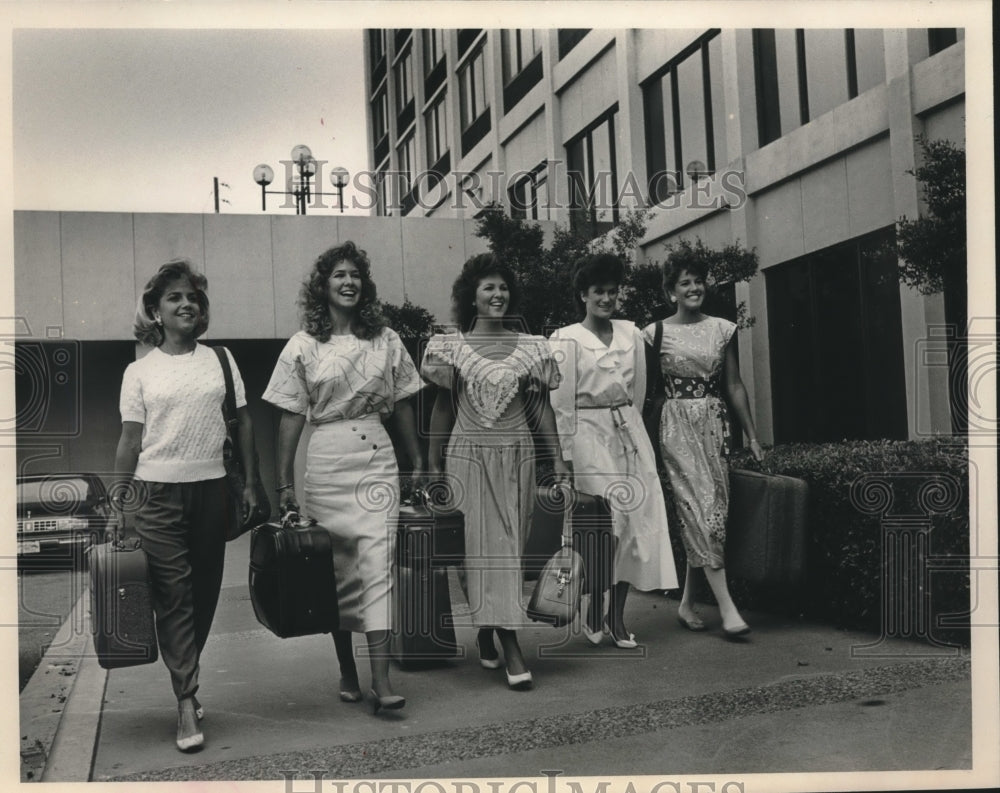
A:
x: 700, y: 369
x: 347, y: 373
x: 490, y: 378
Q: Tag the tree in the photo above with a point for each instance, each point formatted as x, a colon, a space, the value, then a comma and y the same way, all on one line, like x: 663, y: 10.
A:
x: 933, y: 257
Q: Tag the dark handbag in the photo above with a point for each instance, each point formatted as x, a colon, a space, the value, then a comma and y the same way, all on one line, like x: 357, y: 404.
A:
x: 236, y: 526
x: 652, y: 407
x: 556, y: 598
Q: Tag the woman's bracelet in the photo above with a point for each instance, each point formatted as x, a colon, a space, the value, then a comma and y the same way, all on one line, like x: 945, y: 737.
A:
x: 282, y: 488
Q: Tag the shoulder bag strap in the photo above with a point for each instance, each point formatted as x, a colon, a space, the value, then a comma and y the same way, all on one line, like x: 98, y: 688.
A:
x: 229, y: 407
x: 655, y: 376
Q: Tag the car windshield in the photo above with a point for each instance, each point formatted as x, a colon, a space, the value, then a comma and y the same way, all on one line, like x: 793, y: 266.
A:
x: 60, y: 494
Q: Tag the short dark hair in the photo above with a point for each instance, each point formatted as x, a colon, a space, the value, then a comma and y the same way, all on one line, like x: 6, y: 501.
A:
x: 676, y: 264
x: 314, y: 296
x: 593, y: 269
x: 145, y: 328
x: 463, y: 291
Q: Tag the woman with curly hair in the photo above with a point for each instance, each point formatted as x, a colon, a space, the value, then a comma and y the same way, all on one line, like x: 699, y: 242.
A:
x: 347, y: 374
x: 170, y: 464
x: 701, y: 374
x: 490, y: 378
x: 602, y: 437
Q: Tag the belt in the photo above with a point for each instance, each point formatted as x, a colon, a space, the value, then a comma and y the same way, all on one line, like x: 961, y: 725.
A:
x: 615, y: 406
x: 691, y: 387
x: 623, y: 427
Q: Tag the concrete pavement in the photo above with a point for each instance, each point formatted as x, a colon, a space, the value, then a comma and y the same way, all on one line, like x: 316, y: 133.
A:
x: 793, y: 697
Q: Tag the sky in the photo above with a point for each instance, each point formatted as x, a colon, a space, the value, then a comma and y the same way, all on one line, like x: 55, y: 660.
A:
x: 141, y: 120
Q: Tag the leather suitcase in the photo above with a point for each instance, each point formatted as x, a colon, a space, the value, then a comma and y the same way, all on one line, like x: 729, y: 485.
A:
x: 431, y: 534
x: 121, y: 605
x: 292, y: 584
x: 424, y: 630
x: 766, y: 531
x: 428, y: 540
x: 592, y: 534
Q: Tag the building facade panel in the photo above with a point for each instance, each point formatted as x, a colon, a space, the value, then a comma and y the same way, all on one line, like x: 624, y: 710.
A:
x: 160, y: 238
x: 98, y: 251
x: 38, y: 287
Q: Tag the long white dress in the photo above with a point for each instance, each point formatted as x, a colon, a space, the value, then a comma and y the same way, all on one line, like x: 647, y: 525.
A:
x: 597, y: 409
x: 347, y: 386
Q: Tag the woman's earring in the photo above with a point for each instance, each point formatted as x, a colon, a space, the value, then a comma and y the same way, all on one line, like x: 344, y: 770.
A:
x: 159, y: 320
x: 673, y: 299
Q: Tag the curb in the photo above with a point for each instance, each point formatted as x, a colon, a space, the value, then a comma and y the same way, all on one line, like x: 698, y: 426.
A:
x: 60, y: 707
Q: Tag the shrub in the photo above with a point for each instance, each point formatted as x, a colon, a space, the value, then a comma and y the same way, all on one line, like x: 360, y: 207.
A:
x: 846, y: 568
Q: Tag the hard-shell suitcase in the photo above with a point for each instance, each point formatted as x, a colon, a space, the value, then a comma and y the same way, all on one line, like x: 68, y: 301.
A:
x: 766, y: 532
x: 591, y: 529
x: 424, y: 630
x: 121, y: 604
x: 428, y: 540
x: 293, y: 588
x: 556, y: 597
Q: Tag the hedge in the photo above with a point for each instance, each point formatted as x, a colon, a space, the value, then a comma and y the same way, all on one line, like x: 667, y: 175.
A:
x: 863, y: 493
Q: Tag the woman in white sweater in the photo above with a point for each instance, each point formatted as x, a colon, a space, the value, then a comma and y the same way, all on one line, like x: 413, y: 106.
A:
x: 170, y: 452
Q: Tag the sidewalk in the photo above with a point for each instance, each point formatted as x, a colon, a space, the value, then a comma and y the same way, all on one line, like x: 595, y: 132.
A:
x: 791, y: 698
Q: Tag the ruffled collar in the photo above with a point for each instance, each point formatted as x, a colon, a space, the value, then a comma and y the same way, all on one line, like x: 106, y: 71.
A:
x: 609, y: 357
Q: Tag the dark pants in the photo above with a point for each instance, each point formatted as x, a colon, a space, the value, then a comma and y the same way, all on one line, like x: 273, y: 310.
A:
x: 182, y: 529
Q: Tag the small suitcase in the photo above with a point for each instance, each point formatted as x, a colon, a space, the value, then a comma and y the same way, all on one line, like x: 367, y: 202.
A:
x: 424, y: 630
x: 592, y: 533
x: 293, y: 588
x: 121, y: 604
x: 766, y: 531
x: 428, y: 540
x: 556, y: 597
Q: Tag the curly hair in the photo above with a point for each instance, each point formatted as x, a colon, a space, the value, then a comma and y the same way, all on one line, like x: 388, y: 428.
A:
x: 314, y: 297
x: 145, y: 328
x: 463, y: 291
x: 677, y: 264
x: 594, y: 269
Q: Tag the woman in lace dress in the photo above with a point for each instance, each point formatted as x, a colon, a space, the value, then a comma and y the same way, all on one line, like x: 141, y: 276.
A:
x: 603, y: 363
x: 489, y: 378
x: 700, y: 368
x: 347, y: 374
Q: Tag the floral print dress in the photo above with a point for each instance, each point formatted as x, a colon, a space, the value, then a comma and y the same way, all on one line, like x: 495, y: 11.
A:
x: 694, y: 433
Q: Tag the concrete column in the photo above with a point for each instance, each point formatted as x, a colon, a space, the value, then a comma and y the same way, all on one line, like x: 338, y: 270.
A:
x: 631, y: 134
x: 928, y: 406
x: 554, y: 151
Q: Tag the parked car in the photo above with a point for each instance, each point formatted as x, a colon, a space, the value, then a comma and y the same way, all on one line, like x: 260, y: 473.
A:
x: 60, y: 515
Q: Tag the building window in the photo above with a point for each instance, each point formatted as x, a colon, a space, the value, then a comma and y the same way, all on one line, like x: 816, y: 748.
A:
x: 380, y: 115
x: 569, y: 38
x: 473, y: 102
x: 802, y: 74
x: 436, y: 128
x: 433, y: 49
x: 835, y: 333
x: 403, y: 71
x: 376, y: 43
x: 684, y: 117
x: 529, y: 195
x: 519, y: 47
x: 406, y: 162
x: 593, y: 177
x: 522, y: 64
x: 940, y: 38
x: 382, y: 190
x: 466, y: 38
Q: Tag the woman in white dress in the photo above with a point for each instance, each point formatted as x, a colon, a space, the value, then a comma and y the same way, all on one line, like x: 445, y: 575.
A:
x: 602, y: 437
x: 490, y: 378
x: 347, y: 373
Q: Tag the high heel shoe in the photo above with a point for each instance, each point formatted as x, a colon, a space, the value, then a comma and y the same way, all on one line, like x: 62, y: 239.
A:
x: 623, y: 644
x: 391, y: 702
x: 188, y: 741
x: 487, y: 662
x: 594, y: 637
x: 521, y: 682
x: 351, y: 696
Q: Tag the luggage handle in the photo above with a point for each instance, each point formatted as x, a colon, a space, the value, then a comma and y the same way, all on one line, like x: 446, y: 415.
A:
x: 292, y: 519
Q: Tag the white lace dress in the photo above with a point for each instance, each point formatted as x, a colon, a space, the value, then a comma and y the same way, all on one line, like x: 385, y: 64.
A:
x: 490, y: 459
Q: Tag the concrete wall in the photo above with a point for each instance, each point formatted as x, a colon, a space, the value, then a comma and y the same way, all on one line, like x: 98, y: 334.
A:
x: 81, y: 273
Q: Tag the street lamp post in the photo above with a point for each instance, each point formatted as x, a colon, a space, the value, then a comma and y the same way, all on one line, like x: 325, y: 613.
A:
x: 305, y: 168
